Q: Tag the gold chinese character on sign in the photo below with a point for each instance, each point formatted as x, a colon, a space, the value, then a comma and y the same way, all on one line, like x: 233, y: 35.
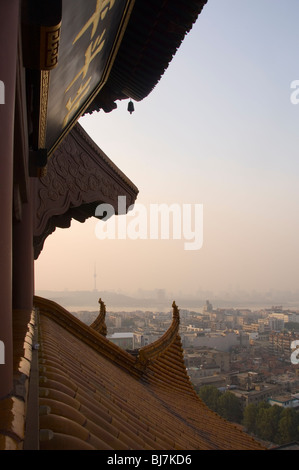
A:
x: 102, y: 7
x: 73, y: 104
x: 95, y: 47
x: 91, y: 52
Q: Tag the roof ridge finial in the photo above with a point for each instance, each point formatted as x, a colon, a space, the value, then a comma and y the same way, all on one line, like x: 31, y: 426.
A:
x: 154, y: 350
x: 175, y: 311
x: 99, y: 324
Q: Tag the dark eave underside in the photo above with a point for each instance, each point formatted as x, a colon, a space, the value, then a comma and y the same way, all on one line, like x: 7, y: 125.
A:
x: 154, y: 33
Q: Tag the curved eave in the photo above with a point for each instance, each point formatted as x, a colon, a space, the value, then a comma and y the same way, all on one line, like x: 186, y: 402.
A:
x: 154, y: 33
x: 92, y: 395
x: 79, y: 178
x: 79, y: 134
x: 87, y: 335
x: 155, y: 349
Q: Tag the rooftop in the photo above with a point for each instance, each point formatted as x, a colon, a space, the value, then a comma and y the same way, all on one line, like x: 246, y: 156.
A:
x: 94, y: 395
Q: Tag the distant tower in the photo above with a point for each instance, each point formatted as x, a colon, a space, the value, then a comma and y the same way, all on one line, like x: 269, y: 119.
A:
x: 95, y: 278
x: 208, y: 307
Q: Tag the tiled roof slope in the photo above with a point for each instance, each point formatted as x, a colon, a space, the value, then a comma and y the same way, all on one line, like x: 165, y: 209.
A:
x: 94, y: 395
x: 13, y: 408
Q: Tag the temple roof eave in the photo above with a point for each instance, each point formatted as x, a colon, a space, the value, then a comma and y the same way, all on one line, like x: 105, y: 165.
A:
x: 153, y: 350
x: 139, y: 65
x: 95, y: 397
x: 79, y: 178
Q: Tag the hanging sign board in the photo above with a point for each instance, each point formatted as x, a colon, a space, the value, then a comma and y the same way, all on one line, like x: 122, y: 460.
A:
x: 89, y: 37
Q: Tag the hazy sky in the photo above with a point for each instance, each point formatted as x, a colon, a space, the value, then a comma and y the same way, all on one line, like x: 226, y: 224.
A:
x: 218, y: 130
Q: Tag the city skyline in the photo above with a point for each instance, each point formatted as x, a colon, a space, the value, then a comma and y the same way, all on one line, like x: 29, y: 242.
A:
x: 219, y: 130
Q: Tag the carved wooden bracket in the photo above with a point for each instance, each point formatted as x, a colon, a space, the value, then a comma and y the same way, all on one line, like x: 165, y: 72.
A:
x: 79, y: 177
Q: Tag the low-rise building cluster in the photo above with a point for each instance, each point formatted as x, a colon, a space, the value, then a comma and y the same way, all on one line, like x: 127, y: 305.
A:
x: 247, y: 352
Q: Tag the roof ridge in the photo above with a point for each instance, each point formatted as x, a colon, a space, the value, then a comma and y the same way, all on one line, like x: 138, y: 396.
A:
x: 86, y: 334
x: 83, y: 369
x: 152, y: 362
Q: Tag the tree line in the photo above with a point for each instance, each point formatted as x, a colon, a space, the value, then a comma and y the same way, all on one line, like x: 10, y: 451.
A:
x: 270, y: 423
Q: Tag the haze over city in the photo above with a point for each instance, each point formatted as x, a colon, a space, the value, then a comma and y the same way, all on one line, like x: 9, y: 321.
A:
x: 220, y: 130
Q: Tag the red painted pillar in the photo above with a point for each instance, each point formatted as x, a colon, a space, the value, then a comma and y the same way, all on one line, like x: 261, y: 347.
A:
x: 23, y: 259
x: 9, y: 24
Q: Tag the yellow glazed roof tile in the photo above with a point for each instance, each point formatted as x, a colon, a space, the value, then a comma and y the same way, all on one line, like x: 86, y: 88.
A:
x: 7, y: 443
x: 12, y: 418
x: 98, y: 396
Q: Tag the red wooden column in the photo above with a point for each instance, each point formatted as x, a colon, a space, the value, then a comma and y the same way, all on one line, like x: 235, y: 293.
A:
x: 9, y: 23
x: 23, y: 259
